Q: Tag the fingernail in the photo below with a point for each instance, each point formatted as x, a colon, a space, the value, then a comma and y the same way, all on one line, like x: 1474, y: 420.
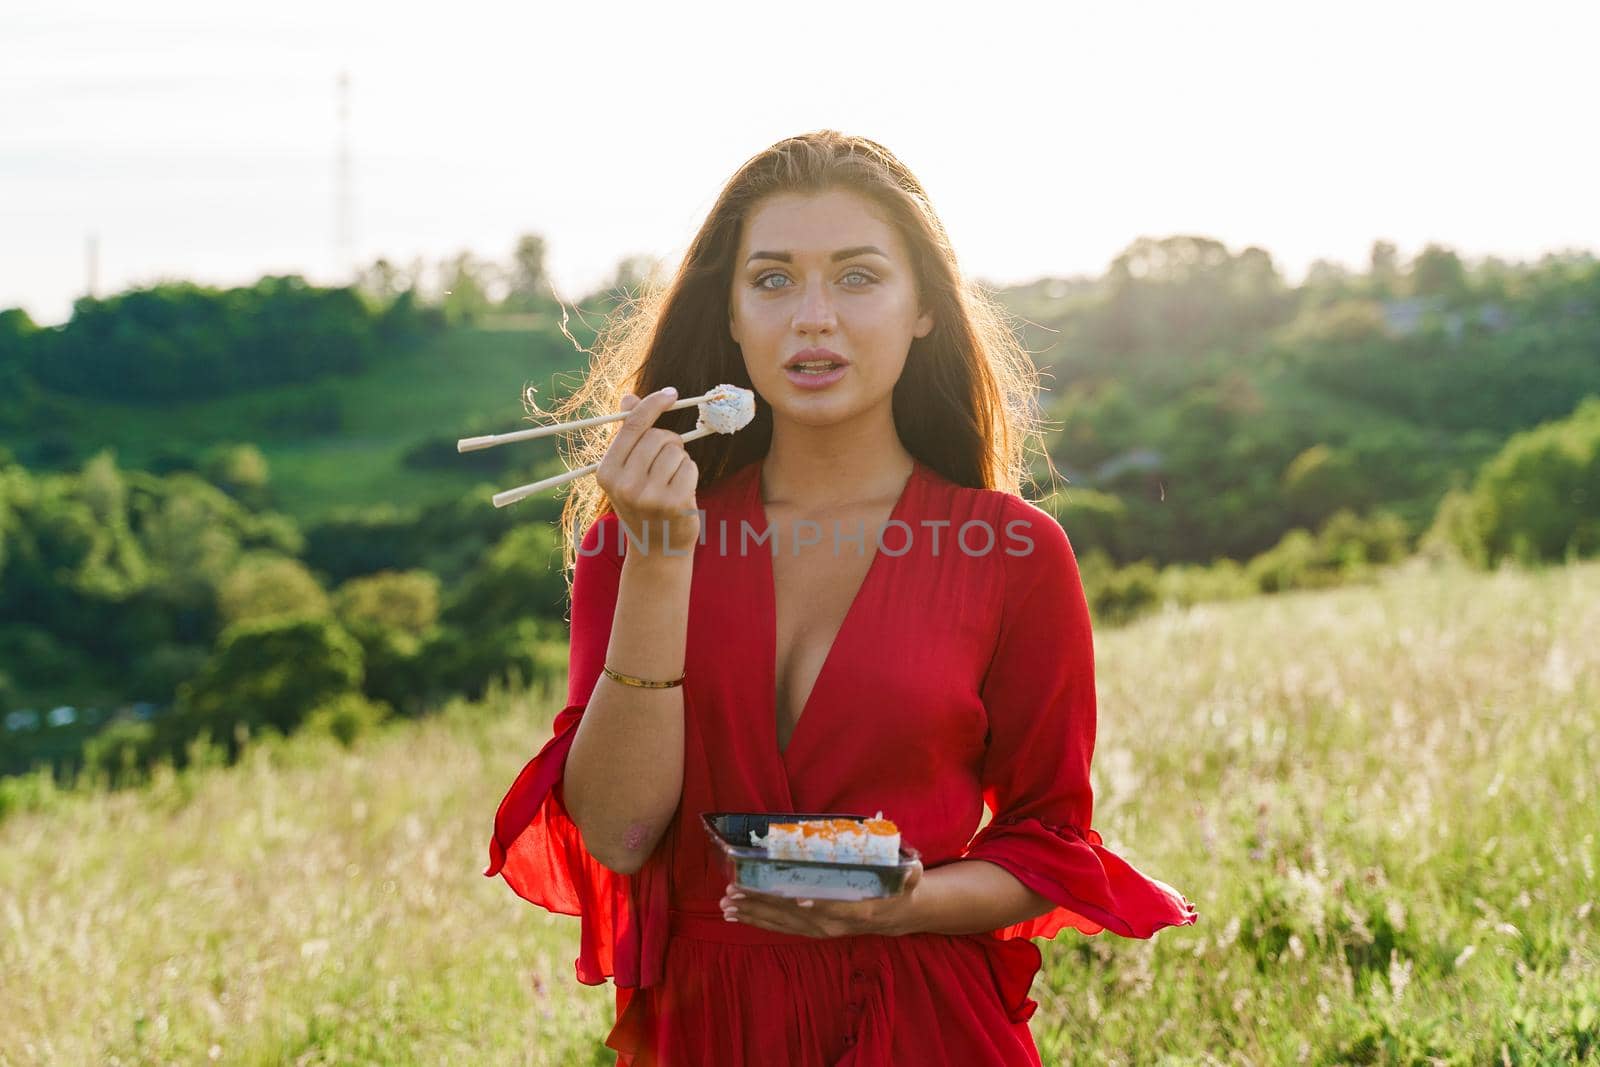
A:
x: 732, y: 915
x: 806, y: 903
x: 735, y: 896
x: 670, y: 390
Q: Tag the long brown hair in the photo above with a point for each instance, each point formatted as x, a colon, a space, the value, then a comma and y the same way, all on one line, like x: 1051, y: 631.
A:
x: 964, y: 405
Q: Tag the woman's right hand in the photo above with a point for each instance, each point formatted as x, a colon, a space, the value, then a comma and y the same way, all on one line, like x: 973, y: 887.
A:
x: 650, y: 479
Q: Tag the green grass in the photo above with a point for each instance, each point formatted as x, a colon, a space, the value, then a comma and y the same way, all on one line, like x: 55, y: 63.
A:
x: 1382, y: 799
x: 462, y: 383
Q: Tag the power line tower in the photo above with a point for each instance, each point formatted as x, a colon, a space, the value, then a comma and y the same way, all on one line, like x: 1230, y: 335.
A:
x: 343, y: 237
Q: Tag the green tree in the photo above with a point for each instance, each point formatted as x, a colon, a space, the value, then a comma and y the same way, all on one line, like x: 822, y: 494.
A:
x: 520, y: 577
x: 19, y: 337
x: 72, y: 559
x: 1539, y: 498
x: 529, y: 279
x: 1098, y: 419
x: 384, y: 282
x: 181, y: 341
x: 1437, y: 271
x: 527, y: 651
x: 241, y: 471
x: 1320, y: 481
x: 265, y: 673
x: 630, y: 277
x: 1455, y: 533
x: 467, y: 284
x: 1179, y: 297
x: 1383, y: 269
x: 121, y: 751
x: 1326, y: 281
x: 192, y: 533
x: 393, y: 616
x: 407, y: 601
x: 263, y: 585
x: 347, y: 717
x: 1092, y: 519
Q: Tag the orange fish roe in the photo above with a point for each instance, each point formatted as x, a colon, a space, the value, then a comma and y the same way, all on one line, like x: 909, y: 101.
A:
x: 882, y: 827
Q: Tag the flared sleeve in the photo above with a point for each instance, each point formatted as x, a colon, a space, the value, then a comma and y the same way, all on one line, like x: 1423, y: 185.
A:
x: 1039, y: 692
x: 537, y: 848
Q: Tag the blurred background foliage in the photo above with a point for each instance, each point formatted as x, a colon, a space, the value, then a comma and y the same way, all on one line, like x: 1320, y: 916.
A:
x: 233, y: 512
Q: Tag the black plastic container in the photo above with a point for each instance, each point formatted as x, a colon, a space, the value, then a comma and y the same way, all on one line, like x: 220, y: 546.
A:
x: 750, y: 867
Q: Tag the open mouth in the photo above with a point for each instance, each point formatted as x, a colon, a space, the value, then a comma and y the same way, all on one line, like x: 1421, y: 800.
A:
x: 815, y: 366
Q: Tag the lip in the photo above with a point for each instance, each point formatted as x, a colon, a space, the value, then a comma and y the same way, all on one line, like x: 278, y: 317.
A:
x: 810, y: 354
x: 801, y: 380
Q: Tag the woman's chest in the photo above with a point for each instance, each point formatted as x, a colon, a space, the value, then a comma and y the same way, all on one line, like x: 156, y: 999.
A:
x: 819, y: 574
x: 841, y: 660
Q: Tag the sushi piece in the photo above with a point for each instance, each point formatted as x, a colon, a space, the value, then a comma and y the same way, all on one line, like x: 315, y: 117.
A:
x: 783, y: 841
x: 883, y: 841
x: 729, y: 410
x: 818, y: 840
x: 849, y: 841
x: 874, y: 841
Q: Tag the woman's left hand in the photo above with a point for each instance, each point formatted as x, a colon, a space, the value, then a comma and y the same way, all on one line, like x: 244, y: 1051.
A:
x: 823, y: 918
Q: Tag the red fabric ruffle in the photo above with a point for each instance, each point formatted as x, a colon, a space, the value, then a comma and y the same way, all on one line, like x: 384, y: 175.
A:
x: 1093, y: 888
x: 538, y: 850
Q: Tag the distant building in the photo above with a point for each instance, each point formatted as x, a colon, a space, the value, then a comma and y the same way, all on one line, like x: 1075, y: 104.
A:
x: 1137, y: 459
x: 1405, y: 316
x: 26, y: 719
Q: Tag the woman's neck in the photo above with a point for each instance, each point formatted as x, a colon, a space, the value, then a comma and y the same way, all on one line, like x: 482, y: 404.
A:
x: 819, y: 468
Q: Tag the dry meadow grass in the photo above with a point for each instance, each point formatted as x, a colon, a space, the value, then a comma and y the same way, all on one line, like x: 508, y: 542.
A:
x: 1382, y: 799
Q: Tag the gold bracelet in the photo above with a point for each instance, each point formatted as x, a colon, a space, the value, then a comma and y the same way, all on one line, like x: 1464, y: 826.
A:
x: 642, y: 683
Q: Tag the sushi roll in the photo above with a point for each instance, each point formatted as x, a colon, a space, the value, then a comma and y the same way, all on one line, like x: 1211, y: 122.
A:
x: 849, y: 841
x: 783, y: 841
x: 883, y: 841
x: 817, y: 840
x: 730, y: 410
x: 873, y: 841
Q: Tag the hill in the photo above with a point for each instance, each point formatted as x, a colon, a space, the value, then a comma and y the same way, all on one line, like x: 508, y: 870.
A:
x: 339, y: 444
x: 1381, y: 799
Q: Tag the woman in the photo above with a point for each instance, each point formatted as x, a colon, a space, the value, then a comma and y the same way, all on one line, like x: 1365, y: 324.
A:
x: 844, y: 607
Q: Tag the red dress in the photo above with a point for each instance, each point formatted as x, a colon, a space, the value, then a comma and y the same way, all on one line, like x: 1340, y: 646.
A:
x: 963, y: 674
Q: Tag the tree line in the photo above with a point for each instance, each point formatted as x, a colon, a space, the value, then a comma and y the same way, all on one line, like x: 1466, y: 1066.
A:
x: 173, y: 591
x: 1221, y: 433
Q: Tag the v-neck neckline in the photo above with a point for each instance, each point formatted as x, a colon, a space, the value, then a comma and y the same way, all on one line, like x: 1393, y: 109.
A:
x: 769, y: 587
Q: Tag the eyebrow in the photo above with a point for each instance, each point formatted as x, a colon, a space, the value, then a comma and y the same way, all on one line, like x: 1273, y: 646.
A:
x: 843, y: 253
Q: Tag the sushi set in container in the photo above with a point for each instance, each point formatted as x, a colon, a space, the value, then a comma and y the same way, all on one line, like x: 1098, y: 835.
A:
x: 821, y: 857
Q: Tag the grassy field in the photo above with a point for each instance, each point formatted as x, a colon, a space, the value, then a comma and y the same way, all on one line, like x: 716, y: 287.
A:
x: 1383, y: 801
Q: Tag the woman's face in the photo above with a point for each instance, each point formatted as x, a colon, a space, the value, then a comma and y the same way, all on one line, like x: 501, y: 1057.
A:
x: 821, y: 276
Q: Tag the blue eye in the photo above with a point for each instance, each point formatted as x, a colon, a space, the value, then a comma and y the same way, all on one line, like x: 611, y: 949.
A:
x: 761, y: 282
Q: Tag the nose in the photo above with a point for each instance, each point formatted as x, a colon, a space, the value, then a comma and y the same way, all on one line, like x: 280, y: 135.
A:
x: 815, y: 312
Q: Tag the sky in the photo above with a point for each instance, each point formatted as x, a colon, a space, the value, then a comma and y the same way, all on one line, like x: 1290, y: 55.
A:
x: 199, y: 140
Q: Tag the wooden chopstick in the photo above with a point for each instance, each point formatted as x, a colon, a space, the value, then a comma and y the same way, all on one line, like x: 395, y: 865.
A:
x: 472, y: 444
x: 511, y: 496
